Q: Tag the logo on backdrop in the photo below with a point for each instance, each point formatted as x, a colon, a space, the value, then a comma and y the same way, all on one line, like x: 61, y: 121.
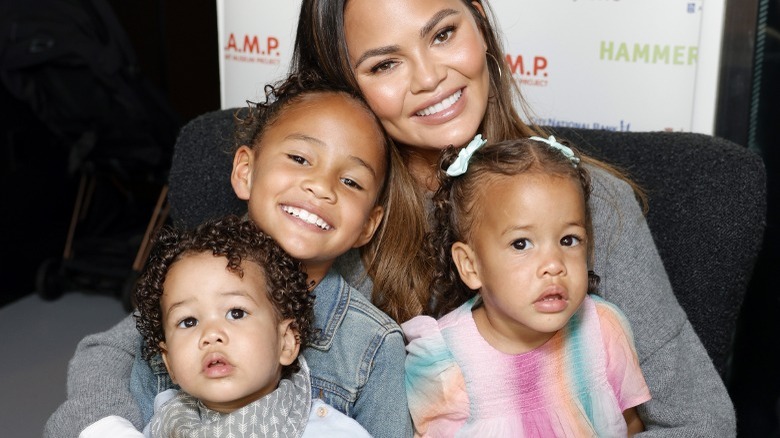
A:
x: 529, y: 70
x: 252, y: 49
x: 619, y: 125
x: 644, y: 53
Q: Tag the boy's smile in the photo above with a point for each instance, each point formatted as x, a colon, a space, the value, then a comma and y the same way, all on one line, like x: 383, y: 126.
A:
x: 313, y: 180
x: 306, y: 216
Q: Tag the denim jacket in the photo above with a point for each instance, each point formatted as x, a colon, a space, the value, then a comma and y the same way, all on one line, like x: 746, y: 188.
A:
x: 356, y: 361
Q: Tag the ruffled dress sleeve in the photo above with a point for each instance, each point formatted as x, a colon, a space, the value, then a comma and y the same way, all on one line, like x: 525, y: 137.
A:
x: 435, y: 386
x: 622, y: 363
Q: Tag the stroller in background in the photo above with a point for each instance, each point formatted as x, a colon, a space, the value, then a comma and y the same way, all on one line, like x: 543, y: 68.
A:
x: 71, y: 63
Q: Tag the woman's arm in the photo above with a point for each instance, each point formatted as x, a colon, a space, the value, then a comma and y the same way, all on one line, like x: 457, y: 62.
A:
x: 688, y: 396
x: 98, y: 382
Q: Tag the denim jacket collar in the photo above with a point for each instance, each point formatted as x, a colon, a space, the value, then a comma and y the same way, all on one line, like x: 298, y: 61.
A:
x: 330, y: 306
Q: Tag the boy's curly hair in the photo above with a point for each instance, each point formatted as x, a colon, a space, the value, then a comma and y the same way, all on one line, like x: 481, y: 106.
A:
x: 239, y: 241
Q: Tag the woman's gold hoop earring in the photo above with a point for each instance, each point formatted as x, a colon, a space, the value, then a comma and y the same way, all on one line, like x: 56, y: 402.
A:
x: 498, y: 64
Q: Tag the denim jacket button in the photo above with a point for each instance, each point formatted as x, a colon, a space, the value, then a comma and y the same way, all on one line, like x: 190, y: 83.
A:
x: 322, y: 411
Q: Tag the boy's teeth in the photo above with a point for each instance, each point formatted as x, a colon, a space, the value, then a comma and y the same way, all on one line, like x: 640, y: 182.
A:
x: 444, y: 104
x: 306, y: 216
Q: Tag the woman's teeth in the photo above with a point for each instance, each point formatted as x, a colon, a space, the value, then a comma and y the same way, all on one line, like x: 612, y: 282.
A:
x: 441, y: 106
x: 306, y: 217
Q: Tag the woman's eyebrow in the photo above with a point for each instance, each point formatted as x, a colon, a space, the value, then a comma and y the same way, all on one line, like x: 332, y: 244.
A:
x: 434, y: 21
x: 379, y: 51
x: 425, y: 30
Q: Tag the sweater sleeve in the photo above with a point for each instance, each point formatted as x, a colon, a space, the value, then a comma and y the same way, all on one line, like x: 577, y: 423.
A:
x: 689, y: 398
x: 98, y: 383
x: 435, y: 386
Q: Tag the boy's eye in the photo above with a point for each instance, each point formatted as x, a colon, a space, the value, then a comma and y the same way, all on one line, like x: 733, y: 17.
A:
x: 297, y: 158
x: 187, y: 323
x: 570, y: 241
x: 235, y: 314
x: 522, y: 244
x: 351, y: 183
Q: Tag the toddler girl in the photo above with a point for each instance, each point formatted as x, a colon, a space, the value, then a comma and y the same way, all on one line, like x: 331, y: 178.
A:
x: 522, y: 349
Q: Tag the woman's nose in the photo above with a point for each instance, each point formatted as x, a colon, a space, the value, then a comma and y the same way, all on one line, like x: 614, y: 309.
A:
x: 427, y: 73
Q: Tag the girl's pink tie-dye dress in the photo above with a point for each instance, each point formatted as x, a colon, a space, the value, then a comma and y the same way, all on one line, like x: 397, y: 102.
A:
x: 576, y: 385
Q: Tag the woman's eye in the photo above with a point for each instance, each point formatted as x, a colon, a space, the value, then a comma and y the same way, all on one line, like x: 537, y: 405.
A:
x: 351, y: 183
x: 570, y: 241
x: 383, y: 66
x: 298, y: 159
x: 522, y: 244
x: 187, y: 323
x: 444, y: 35
x: 236, y: 314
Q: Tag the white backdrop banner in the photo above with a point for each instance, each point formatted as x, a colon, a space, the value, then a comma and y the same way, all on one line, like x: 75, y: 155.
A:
x: 626, y: 65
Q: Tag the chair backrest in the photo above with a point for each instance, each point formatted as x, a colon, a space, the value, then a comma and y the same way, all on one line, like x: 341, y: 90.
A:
x: 707, y: 207
x: 199, y: 179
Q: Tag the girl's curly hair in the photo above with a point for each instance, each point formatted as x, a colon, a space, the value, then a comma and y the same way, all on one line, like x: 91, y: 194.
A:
x: 457, y: 207
x: 239, y: 241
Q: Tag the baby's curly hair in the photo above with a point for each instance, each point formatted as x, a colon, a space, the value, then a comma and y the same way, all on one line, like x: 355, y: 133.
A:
x: 238, y: 240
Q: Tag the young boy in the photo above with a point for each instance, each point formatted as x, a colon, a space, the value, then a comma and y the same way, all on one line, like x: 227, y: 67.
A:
x: 228, y: 310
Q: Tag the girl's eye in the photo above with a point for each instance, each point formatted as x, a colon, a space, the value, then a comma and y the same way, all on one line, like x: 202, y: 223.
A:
x: 351, y: 183
x: 298, y: 159
x: 383, y: 66
x: 570, y: 241
x: 187, y: 323
x: 236, y: 314
x: 444, y: 35
x: 522, y: 244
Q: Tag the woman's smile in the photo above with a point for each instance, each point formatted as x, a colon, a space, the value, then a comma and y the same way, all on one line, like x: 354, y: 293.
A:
x: 441, y: 106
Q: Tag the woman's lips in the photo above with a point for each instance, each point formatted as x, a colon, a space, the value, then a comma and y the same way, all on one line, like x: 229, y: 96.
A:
x: 442, y: 105
x: 444, y: 110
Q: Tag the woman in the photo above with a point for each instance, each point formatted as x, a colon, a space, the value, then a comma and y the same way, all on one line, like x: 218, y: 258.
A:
x: 433, y: 72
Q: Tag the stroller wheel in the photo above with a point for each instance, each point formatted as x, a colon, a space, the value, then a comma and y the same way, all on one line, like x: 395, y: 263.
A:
x: 48, y: 281
x: 128, y: 290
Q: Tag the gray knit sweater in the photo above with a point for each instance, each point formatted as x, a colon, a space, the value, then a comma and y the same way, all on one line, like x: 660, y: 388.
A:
x: 689, y: 398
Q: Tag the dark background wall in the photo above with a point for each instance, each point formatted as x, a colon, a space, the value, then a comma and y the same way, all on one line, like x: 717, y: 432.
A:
x: 175, y: 43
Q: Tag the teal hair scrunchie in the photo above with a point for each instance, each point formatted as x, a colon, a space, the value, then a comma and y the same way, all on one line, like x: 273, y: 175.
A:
x: 565, y: 150
x: 461, y: 164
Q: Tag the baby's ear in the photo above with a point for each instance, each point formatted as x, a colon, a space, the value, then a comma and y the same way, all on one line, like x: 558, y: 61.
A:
x: 241, y: 175
x: 289, y: 346
x: 164, y: 354
x: 466, y: 261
